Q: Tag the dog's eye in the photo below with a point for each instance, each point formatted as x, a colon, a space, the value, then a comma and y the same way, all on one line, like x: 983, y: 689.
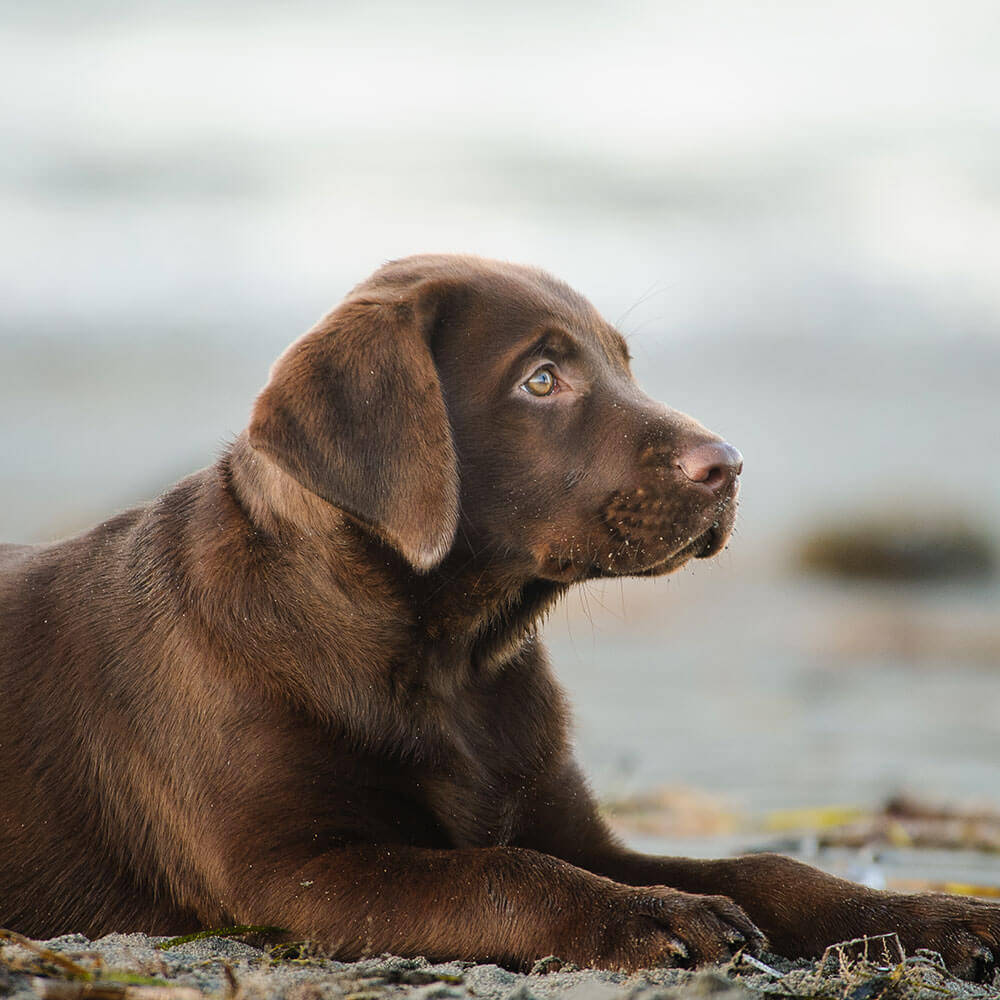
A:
x: 542, y: 383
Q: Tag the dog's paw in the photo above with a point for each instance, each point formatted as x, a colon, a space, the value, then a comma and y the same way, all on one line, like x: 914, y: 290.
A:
x: 965, y: 931
x: 655, y: 926
x: 803, y: 910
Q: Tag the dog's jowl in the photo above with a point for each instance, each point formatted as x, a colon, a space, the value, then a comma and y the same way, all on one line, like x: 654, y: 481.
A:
x: 305, y: 686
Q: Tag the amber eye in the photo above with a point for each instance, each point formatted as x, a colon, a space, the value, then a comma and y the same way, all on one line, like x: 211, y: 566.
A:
x: 542, y: 383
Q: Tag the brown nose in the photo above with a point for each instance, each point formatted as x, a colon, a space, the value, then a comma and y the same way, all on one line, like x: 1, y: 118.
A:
x: 712, y: 465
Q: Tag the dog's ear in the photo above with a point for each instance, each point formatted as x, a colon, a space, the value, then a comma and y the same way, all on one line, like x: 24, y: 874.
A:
x: 354, y: 411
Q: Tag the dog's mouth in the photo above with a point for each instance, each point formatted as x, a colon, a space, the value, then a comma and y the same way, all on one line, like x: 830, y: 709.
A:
x: 646, y: 549
x: 639, y: 539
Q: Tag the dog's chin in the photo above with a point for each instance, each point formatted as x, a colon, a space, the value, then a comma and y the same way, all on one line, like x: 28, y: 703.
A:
x: 644, y: 563
x: 706, y: 545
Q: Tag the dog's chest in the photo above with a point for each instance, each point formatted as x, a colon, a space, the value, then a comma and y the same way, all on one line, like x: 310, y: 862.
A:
x: 479, y: 767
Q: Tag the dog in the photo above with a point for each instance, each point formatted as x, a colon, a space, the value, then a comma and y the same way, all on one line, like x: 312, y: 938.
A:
x: 305, y: 687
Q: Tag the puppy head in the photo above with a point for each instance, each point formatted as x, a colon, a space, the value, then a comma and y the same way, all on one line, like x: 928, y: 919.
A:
x: 568, y: 470
x: 453, y: 383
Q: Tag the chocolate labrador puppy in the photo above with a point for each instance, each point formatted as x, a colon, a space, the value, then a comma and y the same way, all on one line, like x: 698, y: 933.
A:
x: 305, y: 686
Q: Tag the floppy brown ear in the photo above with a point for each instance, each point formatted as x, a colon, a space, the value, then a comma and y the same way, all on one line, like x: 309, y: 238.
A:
x: 354, y: 411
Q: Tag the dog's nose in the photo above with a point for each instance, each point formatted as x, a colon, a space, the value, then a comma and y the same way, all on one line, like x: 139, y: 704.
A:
x: 712, y: 465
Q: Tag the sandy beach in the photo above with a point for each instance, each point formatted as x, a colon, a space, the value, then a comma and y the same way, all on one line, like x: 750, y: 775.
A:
x: 133, y: 967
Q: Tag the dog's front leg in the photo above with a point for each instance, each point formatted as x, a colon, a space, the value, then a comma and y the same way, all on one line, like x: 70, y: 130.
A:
x: 505, y: 905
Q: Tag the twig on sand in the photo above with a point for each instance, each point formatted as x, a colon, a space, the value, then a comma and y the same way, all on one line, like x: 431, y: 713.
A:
x: 59, y: 989
x: 66, y: 965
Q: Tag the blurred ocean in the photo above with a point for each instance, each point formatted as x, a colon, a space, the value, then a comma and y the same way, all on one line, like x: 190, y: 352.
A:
x: 792, y: 210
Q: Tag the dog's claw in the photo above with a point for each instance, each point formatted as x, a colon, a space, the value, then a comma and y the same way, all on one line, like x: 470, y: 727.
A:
x: 679, y: 948
x: 983, y: 965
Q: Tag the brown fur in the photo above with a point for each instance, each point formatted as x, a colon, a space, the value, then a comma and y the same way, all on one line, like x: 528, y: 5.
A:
x: 305, y: 687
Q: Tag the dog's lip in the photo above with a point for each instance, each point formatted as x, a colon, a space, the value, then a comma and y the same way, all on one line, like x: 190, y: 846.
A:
x: 698, y: 548
x: 711, y: 543
x: 703, y: 546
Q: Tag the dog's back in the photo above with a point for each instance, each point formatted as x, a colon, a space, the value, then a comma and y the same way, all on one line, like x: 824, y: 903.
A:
x: 72, y: 679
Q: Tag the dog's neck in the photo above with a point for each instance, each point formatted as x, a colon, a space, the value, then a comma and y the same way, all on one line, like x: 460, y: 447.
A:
x: 475, y: 609
x: 490, y: 609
